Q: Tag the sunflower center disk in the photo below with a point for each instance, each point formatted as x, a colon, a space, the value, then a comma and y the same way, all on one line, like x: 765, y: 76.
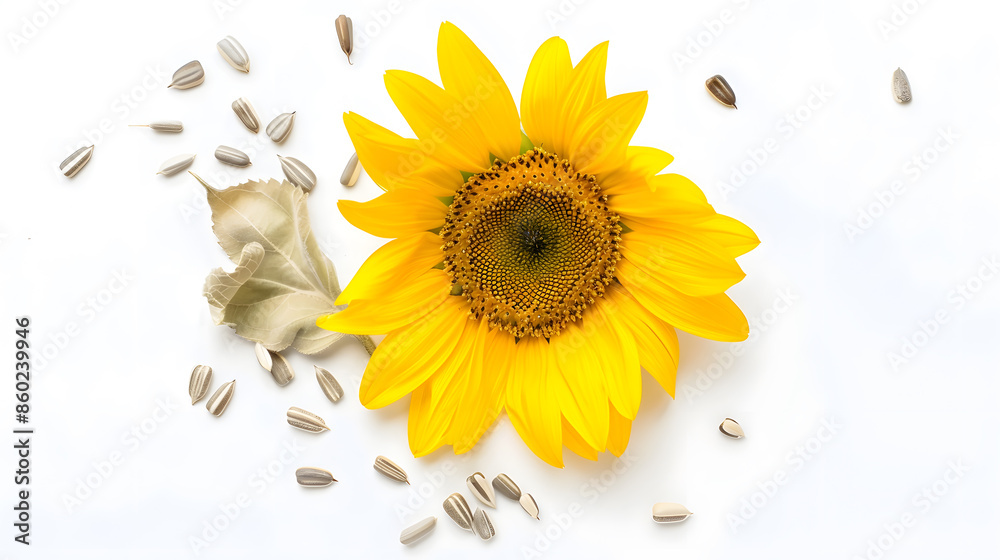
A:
x: 532, y: 243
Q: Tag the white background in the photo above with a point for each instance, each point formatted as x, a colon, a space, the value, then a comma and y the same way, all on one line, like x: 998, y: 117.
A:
x: 824, y: 357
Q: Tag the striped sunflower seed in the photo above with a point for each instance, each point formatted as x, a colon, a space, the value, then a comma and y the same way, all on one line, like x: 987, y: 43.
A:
x: 901, y: 87
x: 720, y: 90
x: 345, y: 33
x: 305, y: 420
x: 163, y: 126
x: 244, y: 110
x: 75, y: 162
x: 313, y: 477
x: 234, y: 53
x: 232, y: 156
x: 281, y: 370
x: 458, y: 510
x: 667, y: 512
x: 481, y: 489
x: 298, y: 173
x: 482, y: 525
x: 418, y: 530
x: 263, y: 356
x: 175, y: 164
x: 201, y: 379
x: 390, y: 469
x: 731, y: 428
x: 279, y: 128
x: 327, y: 382
x: 220, y: 399
x: 507, y: 487
x: 188, y: 76
x: 529, y: 504
x: 351, y: 172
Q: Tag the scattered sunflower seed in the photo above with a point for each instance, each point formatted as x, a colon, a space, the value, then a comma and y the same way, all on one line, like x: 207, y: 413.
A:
x: 244, y: 110
x: 529, y: 504
x: 345, y: 32
x: 458, y: 510
x: 418, y: 530
x: 163, y: 126
x: 220, y: 399
x: 279, y: 128
x: 188, y: 76
x: 298, y: 173
x: 482, y: 525
x: 75, y: 162
x: 731, y: 428
x: 305, y: 420
x: 719, y: 88
x: 327, y: 382
x: 390, y: 469
x: 263, y: 356
x: 901, y: 87
x: 232, y: 156
x: 281, y: 370
x: 666, y: 512
x: 234, y: 53
x: 481, y: 489
x: 507, y: 487
x: 175, y: 164
x: 351, y: 172
x: 314, y: 477
x: 201, y: 378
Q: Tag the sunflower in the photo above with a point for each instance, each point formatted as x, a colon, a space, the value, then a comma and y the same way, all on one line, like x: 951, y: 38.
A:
x: 538, y: 261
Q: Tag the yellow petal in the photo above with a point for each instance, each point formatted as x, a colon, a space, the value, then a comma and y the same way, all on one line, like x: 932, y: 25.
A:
x: 394, y: 162
x: 532, y: 410
x: 735, y: 236
x: 715, y: 317
x: 580, y: 386
x: 479, y: 413
x: 541, y: 96
x: 433, y: 114
x: 692, y: 264
x: 600, y: 141
x: 396, y: 213
x: 392, y: 310
x: 618, y: 436
x: 675, y: 199
x: 584, y: 91
x: 618, y: 355
x: 394, y: 264
x: 408, y: 356
x: 482, y: 94
x: 641, y: 165
x: 655, y: 339
x: 575, y: 443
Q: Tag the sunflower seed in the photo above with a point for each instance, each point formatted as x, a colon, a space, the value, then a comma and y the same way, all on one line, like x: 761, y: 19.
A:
x: 75, y: 162
x: 263, y: 356
x: 163, y: 126
x: 482, y: 525
x: 244, y: 110
x: 279, y: 128
x: 719, y: 88
x: 220, y: 399
x: 731, y: 428
x: 507, y: 487
x: 418, y: 530
x: 901, y: 87
x: 201, y: 378
x: 529, y: 504
x: 390, y: 469
x: 666, y: 512
x: 232, y: 156
x: 313, y: 477
x: 458, y: 510
x: 351, y: 172
x: 305, y: 420
x: 188, y: 76
x: 328, y: 383
x: 481, y: 489
x: 175, y: 164
x: 298, y: 173
x: 345, y: 32
x: 281, y: 370
x: 234, y: 53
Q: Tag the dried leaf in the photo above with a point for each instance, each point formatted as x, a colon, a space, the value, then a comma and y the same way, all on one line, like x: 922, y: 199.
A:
x: 282, y: 282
